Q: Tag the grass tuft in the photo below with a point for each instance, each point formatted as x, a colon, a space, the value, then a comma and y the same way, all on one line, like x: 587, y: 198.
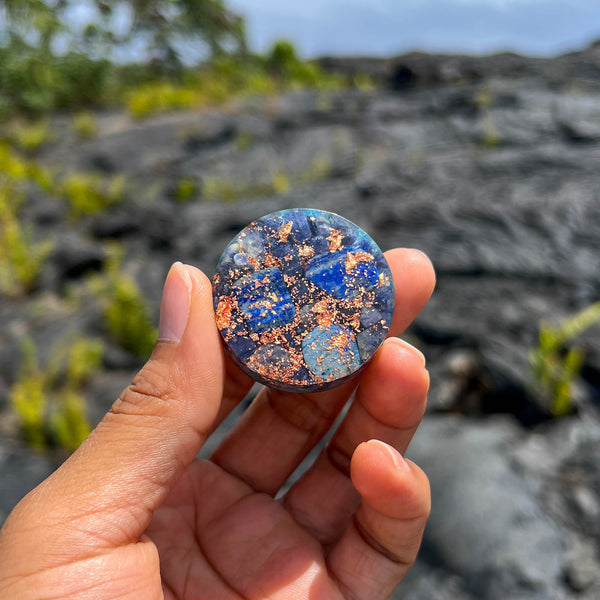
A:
x: 85, y: 125
x: 555, y: 364
x: 126, y: 314
x: 89, y: 193
x: 20, y: 170
x: 21, y: 258
x: 28, y: 397
x: 186, y: 189
x: 31, y: 136
x: 48, y: 402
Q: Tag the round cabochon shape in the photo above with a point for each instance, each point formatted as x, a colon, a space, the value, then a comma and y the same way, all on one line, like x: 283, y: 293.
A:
x: 303, y: 298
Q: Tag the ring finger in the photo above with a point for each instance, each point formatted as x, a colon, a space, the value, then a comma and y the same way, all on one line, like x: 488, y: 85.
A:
x: 280, y: 428
x: 388, y: 406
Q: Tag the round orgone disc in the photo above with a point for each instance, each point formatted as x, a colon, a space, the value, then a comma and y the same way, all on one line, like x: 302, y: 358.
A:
x: 303, y: 298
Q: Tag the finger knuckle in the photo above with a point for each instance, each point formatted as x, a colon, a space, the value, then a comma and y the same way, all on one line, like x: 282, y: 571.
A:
x: 152, y: 391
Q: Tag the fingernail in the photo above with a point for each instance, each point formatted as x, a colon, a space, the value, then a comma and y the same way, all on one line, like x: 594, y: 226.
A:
x: 391, y: 453
x: 175, y: 304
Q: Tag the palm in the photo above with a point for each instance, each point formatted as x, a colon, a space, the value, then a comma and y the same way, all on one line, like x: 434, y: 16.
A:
x: 221, y: 534
x: 219, y: 539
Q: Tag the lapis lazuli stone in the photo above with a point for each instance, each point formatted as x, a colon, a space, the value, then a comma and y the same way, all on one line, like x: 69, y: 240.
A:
x: 303, y: 298
x: 330, y: 273
x: 264, y: 300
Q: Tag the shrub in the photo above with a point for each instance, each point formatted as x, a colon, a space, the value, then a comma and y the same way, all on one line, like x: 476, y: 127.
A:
x: 85, y: 358
x: 280, y: 183
x: 28, y: 397
x: 29, y: 137
x: 88, y: 194
x: 21, y: 258
x: 34, y: 82
x: 555, y: 364
x: 68, y: 423
x: 320, y: 168
x: 126, y: 315
x: 85, y: 126
x: 48, y: 402
x: 282, y: 58
x: 484, y: 98
x: 215, y: 188
x: 363, y: 82
x: 128, y: 319
x: 186, y: 189
x: 243, y: 141
x: 20, y: 170
x: 283, y: 63
x: 160, y: 96
x: 82, y: 81
x: 490, y: 137
x: 227, y: 77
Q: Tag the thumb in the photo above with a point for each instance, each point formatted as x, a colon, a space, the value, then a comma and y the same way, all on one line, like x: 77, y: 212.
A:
x: 112, y: 484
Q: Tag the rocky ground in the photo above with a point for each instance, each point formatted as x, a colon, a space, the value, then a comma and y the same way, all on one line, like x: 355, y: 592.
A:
x: 491, y: 167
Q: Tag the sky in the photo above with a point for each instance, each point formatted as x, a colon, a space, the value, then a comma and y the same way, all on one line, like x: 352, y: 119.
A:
x: 387, y: 27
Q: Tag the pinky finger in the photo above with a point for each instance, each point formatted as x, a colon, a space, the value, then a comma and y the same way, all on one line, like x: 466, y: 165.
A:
x: 381, y: 542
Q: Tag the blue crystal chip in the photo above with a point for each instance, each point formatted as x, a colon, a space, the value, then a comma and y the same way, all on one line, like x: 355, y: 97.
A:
x: 328, y: 272
x: 331, y: 352
x: 264, y: 300
x: 303, y: 298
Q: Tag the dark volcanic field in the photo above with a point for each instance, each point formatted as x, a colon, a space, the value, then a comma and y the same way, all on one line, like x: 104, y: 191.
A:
x: 492, y: 167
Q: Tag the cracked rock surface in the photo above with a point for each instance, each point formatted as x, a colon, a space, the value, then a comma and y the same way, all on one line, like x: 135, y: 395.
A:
x: 491, y: 167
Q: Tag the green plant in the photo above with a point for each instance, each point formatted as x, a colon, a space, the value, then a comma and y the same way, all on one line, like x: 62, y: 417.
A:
x: 35, y: 79
x: 17, y: 169
x: 555, y: 364
x: 28, y: 397
x: 161, y: 96
x: 319, y: 169
x: 282, y: 57
x: 35, y: 82
x: 68, y: 423
x: 21, y: 258
x: 85, y: 358
x: 48, y: 401
x: 484, y: 98
x: 126, y: 314
x: 227, y: 78
x: 490, y: 138
x: 363, y: 82
x: 283, y: 63
x: 89, y: 193
x: 85, y: 125
x: 280, y: 183
x: 215, y: 188
x: 186, y: 189
x: 29, y: 137
x: 243, y: 141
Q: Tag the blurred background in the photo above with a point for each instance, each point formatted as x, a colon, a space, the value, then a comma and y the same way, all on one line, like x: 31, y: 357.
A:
x: 140, y: 132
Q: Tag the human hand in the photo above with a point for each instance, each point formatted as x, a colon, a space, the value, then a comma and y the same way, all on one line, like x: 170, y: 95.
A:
x: 133, y: 515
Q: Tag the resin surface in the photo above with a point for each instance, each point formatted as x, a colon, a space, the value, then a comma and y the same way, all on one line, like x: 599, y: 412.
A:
x: 303, y: 298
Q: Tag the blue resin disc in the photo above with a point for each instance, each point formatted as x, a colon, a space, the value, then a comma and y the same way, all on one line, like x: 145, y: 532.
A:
x: 303, y: 298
